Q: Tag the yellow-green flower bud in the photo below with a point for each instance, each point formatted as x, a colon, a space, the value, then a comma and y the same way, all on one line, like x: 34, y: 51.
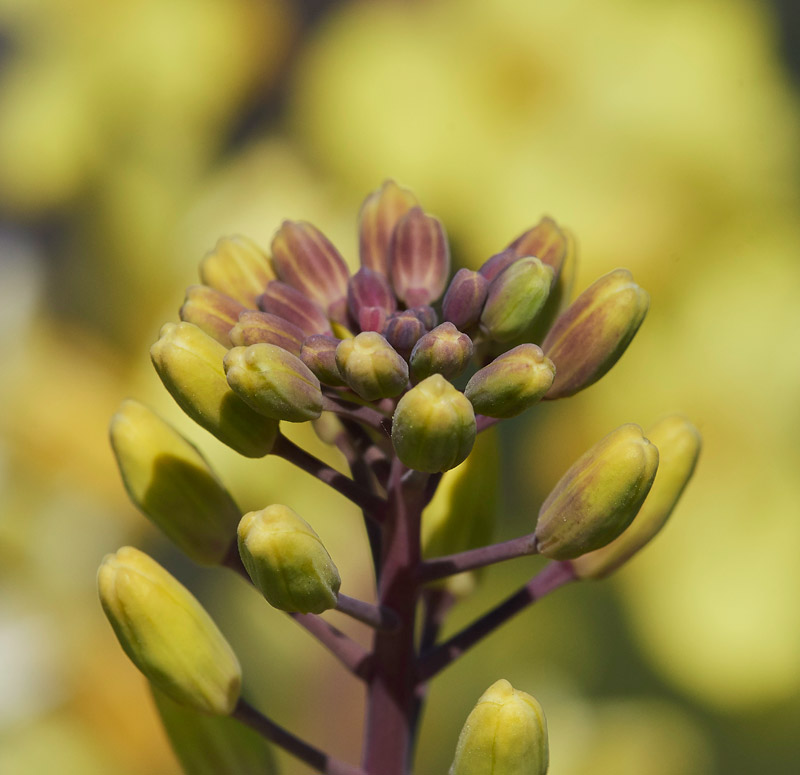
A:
x: 678, y: 443
x: 212, y: 311
x: 433, y: 428
x: 287, y: 562
x: 505, y: 734
x: 515, y: 298
x: 238, y: 268
x: 589, y: 337
x: 461, y: 514
x: 167, y: 633
x: 599, y: 496
x: 445, y: 351
x: 171, y: 483
x: 189, y: 363
x: 511, y: 383
x: 274, y: 382
x: 371, y: 366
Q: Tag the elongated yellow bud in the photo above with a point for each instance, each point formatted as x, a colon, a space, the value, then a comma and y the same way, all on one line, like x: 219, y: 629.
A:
x: 238, y: 268
x: 506, y: 734
x: 171, y: 483
x: 287, y: 561
x: 167, y: 634
x: 678, y: 443
x: 371, y: 366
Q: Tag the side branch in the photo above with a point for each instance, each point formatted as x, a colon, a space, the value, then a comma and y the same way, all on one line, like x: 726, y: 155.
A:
x: 554, y: 575
x: 378, y: 617
x: 361, y: 414
x: 355, y: 658
x: 306, y: 752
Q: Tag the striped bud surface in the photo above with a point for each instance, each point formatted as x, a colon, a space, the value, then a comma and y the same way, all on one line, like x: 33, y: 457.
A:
x: 238, y: 268
x: 464, y: 299
x: 371, y: 366
x: 379, y: 215
x: 287, y: 302
x: 444, y: 350
x: 254, y: 327
x: 211, y: 311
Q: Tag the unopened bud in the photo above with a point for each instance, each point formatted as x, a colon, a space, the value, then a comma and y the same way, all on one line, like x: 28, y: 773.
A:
x: 381, y: 211
x: 319, y: 354
x: 287, y: 562
x: 545, y: 241
x: 274, y: 382
x: 463, y: 302
x: 304, y: 258
x: 498, y: 263
x: 511, y: 383
x: 433, y: 428
x: 515, y: 297
x: 403, y: 330
x: 371, y: 366
x: 172, y: 484
x: 589, y: 337
x: 238, y: 268
x: 167, y: 634
x: 599, y: 496
x: 505, y: 734
x: 426, y: 315
x: 369, y: 290
x: 420, y: 258
x: 678, y: 443
x: 211, y: 311
x: 287, y: 302
x: 189, y: 363
x: 445, y: 351
x: 254, y: 327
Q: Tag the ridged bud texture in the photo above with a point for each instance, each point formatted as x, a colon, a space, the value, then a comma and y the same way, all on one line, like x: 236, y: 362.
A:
x: 403, y: 330
x: 371, y: 366
x: 463, y: 302
x: 211, y: 311
x: 380, y: 212
x: 293, y: 305
x: 238, y: 268
x: 254, y: 327
x: 444, y: 350
x: 545, y: 241
x: 319, y: 354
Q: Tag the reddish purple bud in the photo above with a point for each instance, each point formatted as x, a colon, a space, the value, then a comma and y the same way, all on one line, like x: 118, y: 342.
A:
x: 545, y: 241
x: 403, y: 330
x: 255, y: 327
x: 444, y: 350
x: 369, y: 289
x: 381, y: 211
x: 304, y: 258
x: 211, y: 311
x: 372, y: 319
x: 420, y: 258
x: 292, y: 305
x: 427, y: 316
x: 497, y: 263
x: 319, y: 354
x: 464, y: 299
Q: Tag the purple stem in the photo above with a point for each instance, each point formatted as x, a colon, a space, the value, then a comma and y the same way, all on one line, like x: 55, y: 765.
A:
x: 307, y: 753
x: 483, y: 422
x: 440, y: 567
x: 375, y: 616
x: 553, y: 576
x: 361, y: 414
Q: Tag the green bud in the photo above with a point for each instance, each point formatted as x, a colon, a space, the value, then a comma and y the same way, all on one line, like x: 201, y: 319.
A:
x: 189, y: 363
x: 287, y: 562
x: 238, y: 268
x: 167, y: 634
x: 515, y: 298
x: 171, y: 483
x: 505, y: 734
x: 274, y: 382
x: 599, y: 496
x: 433, y: 428
x: 461, y: 514
x: 445, y: 351
x: 211, y: 311
x: 371, y: 366
x: 511, y: 383
x: 678, y: 443
x: 589, y: 337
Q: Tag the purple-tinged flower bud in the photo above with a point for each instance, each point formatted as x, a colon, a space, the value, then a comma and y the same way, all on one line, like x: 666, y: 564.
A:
x: 445, y: 351
x: 167, y: 634
x: 211, y: 311
x: 589, y: 337
x: 292, y: 305
x: 403, y: 330
x: 599, y: 496
x: 319, y: 354
x: 304, y: 258
x: 287, y: 562
x: 463, y: 302
x: 238, y: 268
x: 371, y: 366
x: 505, y: 734
x: 678, y: 443
x: 170, y: 482
x: 498, y: 263
x: 381, y: 211
x: 433, y: 428
x: 369, y: 290
x: 372, y: 319
x: 426, y: 315
x: 545, y: 241
x: 511, y: 383
x: 274, y: 382
x: 189, y: 363
x: 420, y: 258
x: 515, y: 298
x: 254, y: 327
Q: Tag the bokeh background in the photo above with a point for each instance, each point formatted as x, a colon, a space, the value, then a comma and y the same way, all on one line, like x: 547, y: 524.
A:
x: 665, y: 133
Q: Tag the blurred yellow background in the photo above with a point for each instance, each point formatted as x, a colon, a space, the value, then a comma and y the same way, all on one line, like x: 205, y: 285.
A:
x: 664, y: 133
